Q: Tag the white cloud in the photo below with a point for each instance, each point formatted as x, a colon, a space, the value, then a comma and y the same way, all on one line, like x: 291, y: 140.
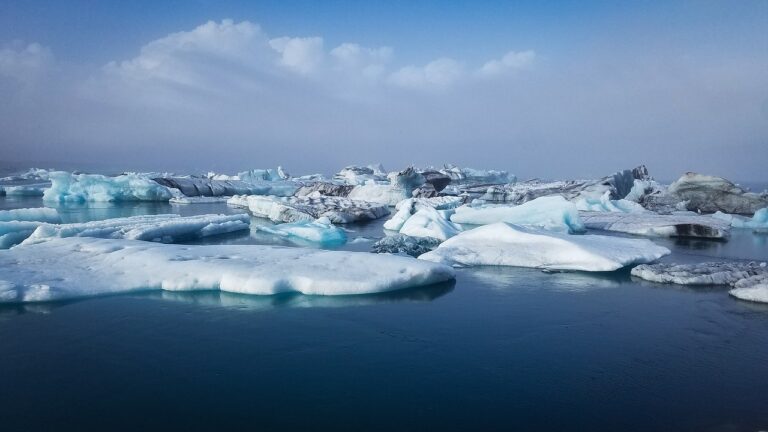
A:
x: 303, y: 55
x: 437, y: 74
x: 24, y: 63
x: 509, y: 62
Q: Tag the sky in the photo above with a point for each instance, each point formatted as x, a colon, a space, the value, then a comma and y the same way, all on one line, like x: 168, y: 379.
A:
x: 555, y: 89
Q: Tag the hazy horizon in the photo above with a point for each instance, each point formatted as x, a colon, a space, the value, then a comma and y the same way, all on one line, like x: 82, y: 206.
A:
x: 560, y: 90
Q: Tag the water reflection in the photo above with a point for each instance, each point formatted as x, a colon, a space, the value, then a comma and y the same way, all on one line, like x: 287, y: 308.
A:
x: 509, y: 278
x: 251, y: 302
x: 293, y: 300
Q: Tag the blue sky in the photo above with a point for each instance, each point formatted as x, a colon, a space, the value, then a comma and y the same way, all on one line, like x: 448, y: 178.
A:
x: 624, y: 82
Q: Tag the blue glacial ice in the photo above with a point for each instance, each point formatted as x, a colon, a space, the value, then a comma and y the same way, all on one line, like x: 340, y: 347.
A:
x: 553, y: 213
x: 320, y: 231
x: 759, y: 221
x: 67, y: 187
x: 17, y: 225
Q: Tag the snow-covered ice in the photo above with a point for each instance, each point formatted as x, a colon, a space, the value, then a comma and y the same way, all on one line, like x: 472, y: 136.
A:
x: 429, y: 222
x: 16, y: 225
x: 320, y: 231
x: 78, y: 267
x: 66, y: 187
x: 656, y: 225
x: 503, y: 244
x: 553, y: 213
x: 406, y: 208
x: 401, y: 186
x: 166, y: 228
x: 308, y: 208
x: 199, y: 199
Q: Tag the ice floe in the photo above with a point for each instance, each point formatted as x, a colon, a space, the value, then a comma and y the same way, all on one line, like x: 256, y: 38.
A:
x: 25, y: 190
x: 199, y: 199
x: 655, y: 225
x: 408, y: 207
x: 320, y: 231
x: 748, y: 279
x: 67, y: 187
x: 503, y: 244
x: 16, y: 225
x: 404, y: 244
x: 309, y: 208
x: 606, y: 204
x: 78, y: 267
x: 41, y: 214
x: 553, y: 213
x: 166, y: 228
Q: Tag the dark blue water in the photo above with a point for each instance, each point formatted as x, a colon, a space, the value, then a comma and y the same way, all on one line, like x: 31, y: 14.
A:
x: 499, y: 349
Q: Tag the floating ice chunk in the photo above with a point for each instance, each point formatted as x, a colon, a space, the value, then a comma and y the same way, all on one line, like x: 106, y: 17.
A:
x: 199, y: 199
x: 401, y: 186
x: 709, y: 194
x: 41, y: 214
x: 320, y: 231
x: 551, y: 213
x: 708, y: 273
x: 408, y: 207
x: 606, y: 204
x: 748, y: 279
x: 357, y: 175
x: 428, y: 222
x: 655, y: 225
x: 503, y: 244
x: 25, y: 190
x: 77, y: 267
x: 758, y: 221
x: 403, y: 244
x: 309, y: 208
x: 68, y: 187
x: 470, y: 175
x: 30, y: 174
x: 164, y: 228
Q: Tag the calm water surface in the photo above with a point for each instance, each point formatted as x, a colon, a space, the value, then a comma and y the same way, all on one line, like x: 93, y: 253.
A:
x: 499, y: 349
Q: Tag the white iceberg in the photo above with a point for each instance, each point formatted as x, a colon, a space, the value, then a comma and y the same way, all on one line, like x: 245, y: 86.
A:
x: 357, y: 175
x: 320, y: 231
x: 503, y: 244
x: 758, y: 221
x: 25, y: 190
x: 429, y: 222
x: 66, y: 187
x: 656, y: 225
x: 163, y: 228
x: 78, y: 267
x: 42, y: 214
x: 552, y: 213
x: 408, y: 207
x: 309, y: 208
x: 470, y: 175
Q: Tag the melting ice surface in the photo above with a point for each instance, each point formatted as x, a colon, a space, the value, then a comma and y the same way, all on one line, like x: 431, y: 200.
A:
x: 552, y: 213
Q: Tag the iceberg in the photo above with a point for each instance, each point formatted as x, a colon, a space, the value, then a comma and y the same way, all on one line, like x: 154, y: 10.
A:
x: 503, y: 244
x: 553, y: 213
x: 261, y: 175
x: 403, y: 244
x: 357, y: 175
x: 401, y: 186
x: 66, y: 268
x: 429, y: 222
x: 66, y: 187
x: 470, y: 175
x: 194, y: 186
x: 408, y: 207
x: 325, y: 188
x: 759, y: 220
x: 606, y: 204
x: 25, y: 190
x: 42, y: 214
x: 655, y: 225
x: 320, y: 231
x: 309, y: 208
x: 166, y: 228
x: 749, y: 280
x: 30, y: 174
x: 709, y: 194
